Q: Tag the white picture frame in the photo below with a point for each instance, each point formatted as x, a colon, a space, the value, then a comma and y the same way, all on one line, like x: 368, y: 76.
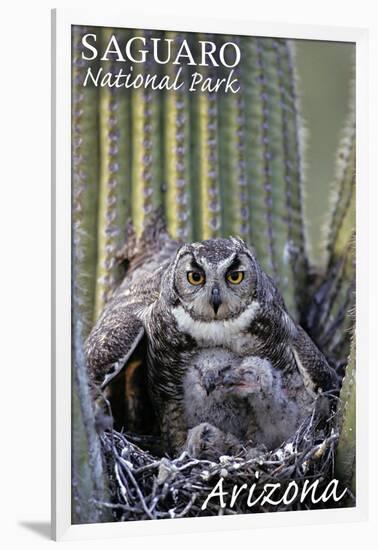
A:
x: 62, y: 20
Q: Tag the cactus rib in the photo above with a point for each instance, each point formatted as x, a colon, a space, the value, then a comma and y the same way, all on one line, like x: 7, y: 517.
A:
x: 145, y: 191
x: 84, y: 180
x: 176, y: 157
x: 114, y: 206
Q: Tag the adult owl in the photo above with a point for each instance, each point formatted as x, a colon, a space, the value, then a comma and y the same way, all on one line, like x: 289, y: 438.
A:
x: 213, y: 320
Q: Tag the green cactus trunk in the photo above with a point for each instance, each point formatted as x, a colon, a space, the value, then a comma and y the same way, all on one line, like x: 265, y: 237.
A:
x: 274, y: 166
x: 328, y: 318
x: 88, y: 479
x: 85, y: 179
x: 177, y: 203
x: 145, y: 149
x: 345, y: 467
x: 114, y: 180
x: 342, y: 220
x: 89, y: 482
x: 232, y: 163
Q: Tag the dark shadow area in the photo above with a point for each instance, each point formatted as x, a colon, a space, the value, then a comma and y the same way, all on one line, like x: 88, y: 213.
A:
x: 42, y: 528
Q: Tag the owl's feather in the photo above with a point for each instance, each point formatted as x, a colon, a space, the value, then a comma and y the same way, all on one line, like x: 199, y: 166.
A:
x: 244, y: 398
x: 119, y: 329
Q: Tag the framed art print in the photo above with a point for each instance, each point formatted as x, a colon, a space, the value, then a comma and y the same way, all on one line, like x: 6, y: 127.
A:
x: 209, y: 353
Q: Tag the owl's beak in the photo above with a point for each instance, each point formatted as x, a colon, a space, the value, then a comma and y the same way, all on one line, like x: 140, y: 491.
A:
x: 209, y: 382
x: 215, y: 299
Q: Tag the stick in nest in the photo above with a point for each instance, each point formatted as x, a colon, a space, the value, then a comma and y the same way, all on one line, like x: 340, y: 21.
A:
x: 148, y: 487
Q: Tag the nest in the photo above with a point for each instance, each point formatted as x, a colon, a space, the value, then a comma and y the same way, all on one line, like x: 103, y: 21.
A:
x: 145, y: 486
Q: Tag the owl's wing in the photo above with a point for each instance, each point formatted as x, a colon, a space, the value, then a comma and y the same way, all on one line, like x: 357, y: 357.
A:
x: 120, y: 329
x: 113, y: 339
x: 311, y: 363
x: 316, y: 373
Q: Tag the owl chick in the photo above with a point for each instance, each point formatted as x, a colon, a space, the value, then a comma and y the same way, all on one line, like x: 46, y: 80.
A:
x: 232, y: 403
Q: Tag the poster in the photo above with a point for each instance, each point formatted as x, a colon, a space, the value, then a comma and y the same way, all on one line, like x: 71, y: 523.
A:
x: 213, y: 274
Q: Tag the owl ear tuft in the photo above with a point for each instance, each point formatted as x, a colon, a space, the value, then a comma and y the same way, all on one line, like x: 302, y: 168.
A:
x: 238, y: 241
x: 181, y: 251
x: 252, y: 250
x: 184, y: 249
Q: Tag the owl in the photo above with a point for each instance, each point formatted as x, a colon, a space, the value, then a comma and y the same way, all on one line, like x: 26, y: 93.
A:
x: 225, y: 361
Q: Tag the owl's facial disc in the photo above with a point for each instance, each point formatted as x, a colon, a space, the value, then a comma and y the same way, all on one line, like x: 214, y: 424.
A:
x: 213, y: 280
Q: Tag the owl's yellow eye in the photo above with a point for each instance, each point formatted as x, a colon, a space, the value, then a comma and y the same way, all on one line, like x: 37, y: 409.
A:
x: 196, y: 278
x: 235, y: 277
